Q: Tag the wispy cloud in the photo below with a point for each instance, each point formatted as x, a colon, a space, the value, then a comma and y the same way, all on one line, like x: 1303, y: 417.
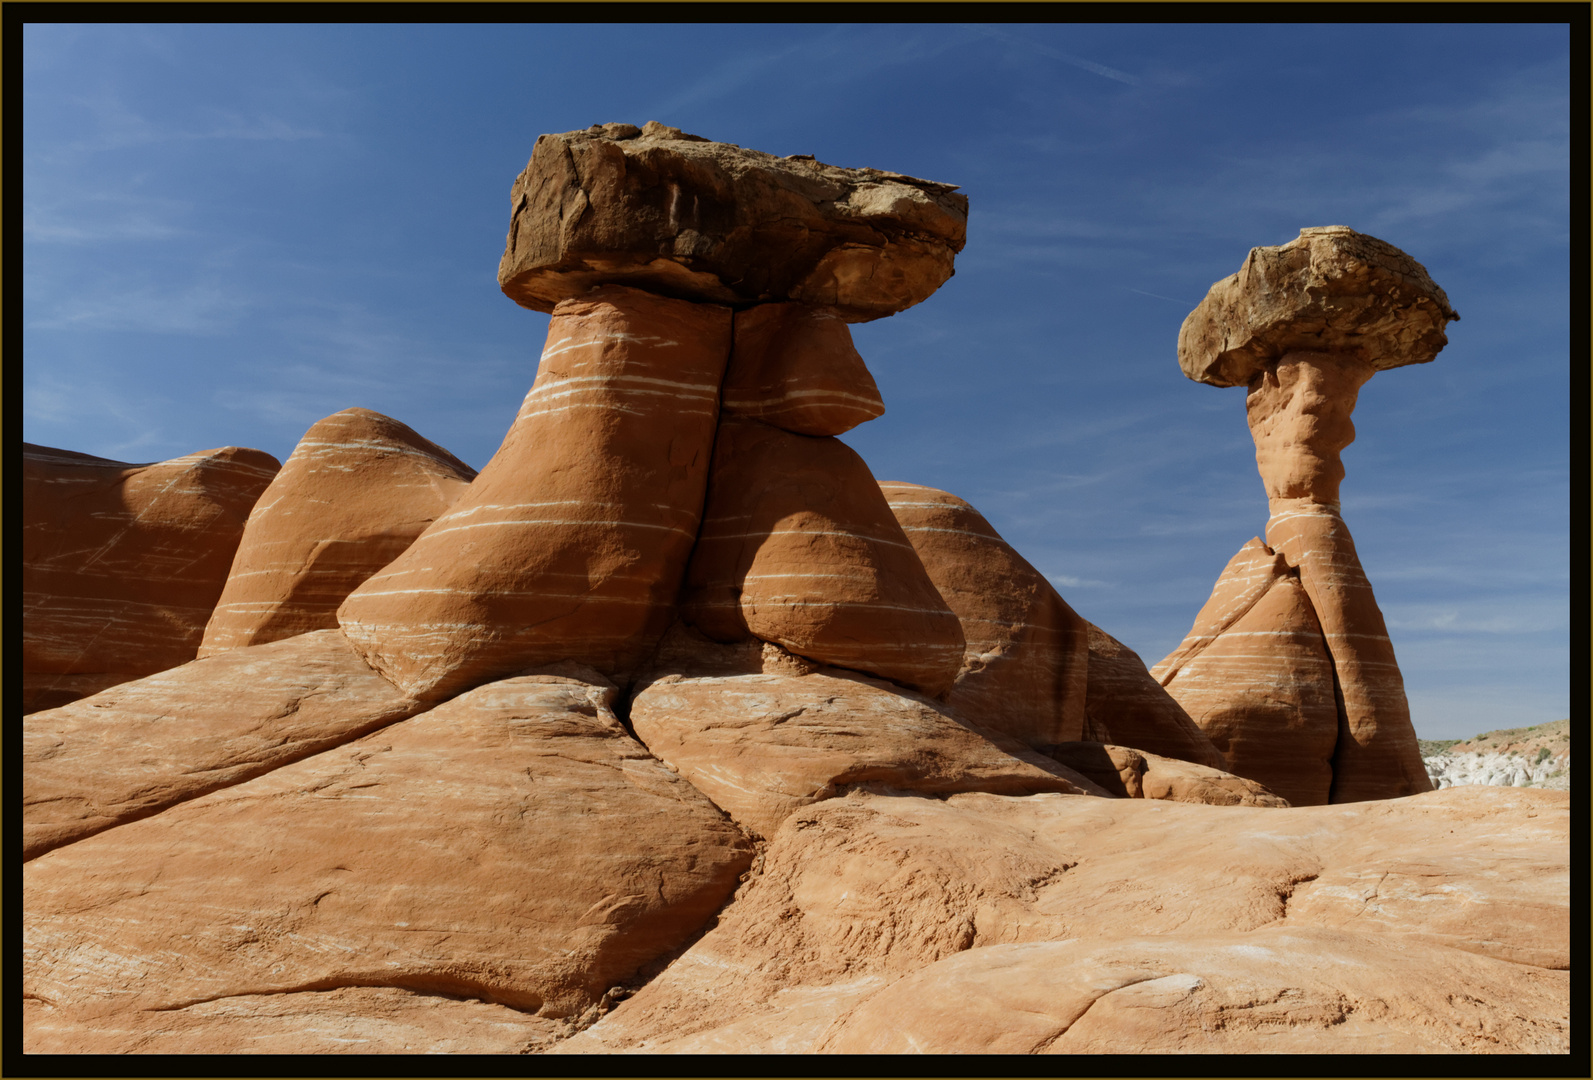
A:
x: 205, y: 309
x: 1056, y: 54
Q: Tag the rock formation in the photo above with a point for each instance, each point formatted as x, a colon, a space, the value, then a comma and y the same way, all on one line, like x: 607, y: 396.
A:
x: 1303, y: 326
x: 123, y: 564
x: 351, y: 497
x: 675, y: 730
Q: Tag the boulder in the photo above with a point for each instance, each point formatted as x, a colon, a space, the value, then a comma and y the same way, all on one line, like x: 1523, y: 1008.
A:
x: 763, y: 746
x: 679, y: 215
x: 1134, y: 774
x: 143, y: 746
x: 351, y: 497
x: 513, y: 846
x: 1446, y: 914
x: 1025, y: 668
x: 122, y: 564
x: 1261, y: 686
x: 794, y: 366
x: 572, y: 542
x: 799, y: 547
x: 1125, y: 706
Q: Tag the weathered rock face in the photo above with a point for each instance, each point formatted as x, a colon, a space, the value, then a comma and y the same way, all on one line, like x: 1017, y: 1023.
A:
x: 681, y: 216
x: 1255, y: 674
x: 1134, y: 774
x: 351, y: 497
x: 1024, y: 669
x: 1330, y: 290
x: 799, y: 547
x: 1125, y: 706
x: 513, y: 846
x: 794, y: 366
x: 122, y: 564
x: 763, y: 746
x: 1374, y: 926
x: 571, y: 543
x: 141, y: 747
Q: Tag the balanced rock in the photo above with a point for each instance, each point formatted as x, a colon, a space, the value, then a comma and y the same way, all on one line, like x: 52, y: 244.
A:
x: 1399, y: 921
x: 123, y: 564
x: 1303, y: 327
x: 1025, y: 667
x: 1255, y: 674
x: 794, y: 366
x: 140, y: 747
x: 572, y: 542
x: 679, y: 215
x: 1124, y: 705
x: 799, y: 548
x: 1134, y: 774
x: 351, y: 497
x: 764, y: 745
x: 513, y: 846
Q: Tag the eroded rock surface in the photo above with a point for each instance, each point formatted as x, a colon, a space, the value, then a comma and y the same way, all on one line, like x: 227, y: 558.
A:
x: 1135, y: 774
x: 679, y: 215
x: 351, y: 497
x: 1451, y: 903
x: 123, y: 564
x: 513, y: 845
x: 794, y: 366
x: 1124, y: 705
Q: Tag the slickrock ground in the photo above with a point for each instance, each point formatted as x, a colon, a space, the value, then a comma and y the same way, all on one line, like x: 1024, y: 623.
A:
x: 351, y: 497
x: 1437, y: 923
x: 122, y: 564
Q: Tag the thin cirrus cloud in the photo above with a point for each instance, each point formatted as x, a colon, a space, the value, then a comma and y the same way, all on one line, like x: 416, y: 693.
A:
x: 1042, y: 49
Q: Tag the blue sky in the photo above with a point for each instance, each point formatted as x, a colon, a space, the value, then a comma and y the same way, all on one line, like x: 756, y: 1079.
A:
x: 233, y: 231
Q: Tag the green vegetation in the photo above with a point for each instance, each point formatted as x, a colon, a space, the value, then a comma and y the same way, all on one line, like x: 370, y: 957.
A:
x: 1543, y: 753
x: 1429, y: 747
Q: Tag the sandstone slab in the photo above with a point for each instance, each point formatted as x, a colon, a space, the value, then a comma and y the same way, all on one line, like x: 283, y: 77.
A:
x: 143, y: 746
x: 572, y: 542
x: 123, y: 564
x: 800, y: 548
x: 679, y: 215
x: 794, y: 366
x: 1332, y: 289
x: 854, y: 894
x: 1025, y: 668
x: 1124, y: 705
x: 1134, y: 774
x: 355, y: 492
x: 763, y: 746
x: 513, y: 846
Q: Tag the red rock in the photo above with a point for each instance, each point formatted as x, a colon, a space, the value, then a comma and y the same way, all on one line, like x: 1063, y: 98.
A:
x: 351, y: 497
x: 799, y: 547
x: 1260, y: 684
x: 513, y: 845
x: 143, y: 746
x: 1125, y: 706
x: 572, y: 541
x: 1134, y: 774
x: 794, y: 366
x: 763, y: 746
x: 679, y: 215
x: 1455, y: 904
x: 1024, y: 671
x: 123, y: 563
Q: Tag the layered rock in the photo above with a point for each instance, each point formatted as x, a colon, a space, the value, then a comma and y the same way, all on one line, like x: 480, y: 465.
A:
x: 765, y: 745
x: 1375, y: 926
x: 513, y: 846
x: 572, y: 542
x: 1255, y: 674
x: 351, y: 497
x: 799, y: 548
x: 679, y: 215
x: 1124, y: 705
x: 1025, y: 666
x: 794, y: 366
x: 122, y: 564
x: 1303, y: 327
x: 1134, y: 774
x: 140, y: 747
